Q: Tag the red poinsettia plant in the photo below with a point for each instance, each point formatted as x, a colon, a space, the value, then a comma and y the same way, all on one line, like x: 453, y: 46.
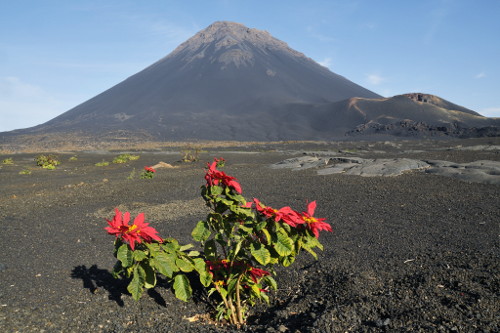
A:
x: 148, y: 173
x: 242, y: 242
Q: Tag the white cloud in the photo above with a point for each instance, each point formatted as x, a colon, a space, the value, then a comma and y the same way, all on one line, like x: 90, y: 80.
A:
x: 480, y: 75
x: 327, y: 62
x: 375, y: 79
x: 490, y: 112
x: 24, y: 105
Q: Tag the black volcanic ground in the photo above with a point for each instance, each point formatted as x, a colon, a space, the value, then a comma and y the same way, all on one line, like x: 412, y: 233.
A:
x: 417, y: 252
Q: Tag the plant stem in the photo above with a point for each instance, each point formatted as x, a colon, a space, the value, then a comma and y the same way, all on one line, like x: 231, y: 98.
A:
x: 233, y: 312
x: 238, y: 301
x: 232, y: 318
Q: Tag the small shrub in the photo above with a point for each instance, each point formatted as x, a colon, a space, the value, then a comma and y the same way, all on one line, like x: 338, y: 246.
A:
x: 124, y: 158
x: 103, y: 163
x: 132, y: 175
x: 148, y: 173
x: 190, y: 154
x: 8, y: 161
x: 48, y: 162
x: 25, y: 172
x: 73, y: 158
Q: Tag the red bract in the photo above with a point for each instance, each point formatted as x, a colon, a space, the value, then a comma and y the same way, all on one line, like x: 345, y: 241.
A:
x: 285, y: 214
x: 149, y: 169
x: 215, y: 266
x: 215, y: 177
x: 257, y: 273
x: 137, y: 232
x: 313, y: 223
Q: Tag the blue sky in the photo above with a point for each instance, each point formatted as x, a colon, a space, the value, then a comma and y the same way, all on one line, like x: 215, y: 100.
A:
x: 55, y: 55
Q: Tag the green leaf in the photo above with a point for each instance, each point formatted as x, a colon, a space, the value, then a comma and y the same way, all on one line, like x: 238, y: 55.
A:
x: 199, y: 265
x: 286, y: 227
x: 237, y: 249
x: 225, y: 201
x: 270, y: 281
x: 216, y: 190
x: 182, y: 287
x: 193, y: 254
x: 170, y: 246
x: 205, y: 279
x: 308, y: 249
x: 260, y: 253
x: 185, y: 247
x: 184, y: 265
x: 136, y: 286
x: 201, y: 232
x: 165, y: 264
x: 139, y: 255
x: 125, y: 255
x: 284, y: 245
x: 244, y: 230
x: 150, y: 278
x: 201, y: 268
x: 235, y: 196
x: 287, y: 261
x: 264, y: 297
x: 117, y: 269
x: 223, y: 291
x: 154, y: 248
x: 268, y: 235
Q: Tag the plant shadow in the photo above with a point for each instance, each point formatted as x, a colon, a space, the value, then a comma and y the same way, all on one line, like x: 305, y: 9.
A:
x: 94, y: 278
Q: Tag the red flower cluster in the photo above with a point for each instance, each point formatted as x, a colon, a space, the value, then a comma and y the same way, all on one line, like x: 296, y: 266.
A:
x: 313, y: 223
x: 137, y: 232
x: 257, y: 273
x: 149, y: 169
x: 215, y: 268
x: 215, y: 177
x: 294, y: 218
x: 285, y: 214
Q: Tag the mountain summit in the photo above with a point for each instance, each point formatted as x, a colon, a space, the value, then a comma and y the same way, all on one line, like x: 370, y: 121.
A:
x: 230, y: 82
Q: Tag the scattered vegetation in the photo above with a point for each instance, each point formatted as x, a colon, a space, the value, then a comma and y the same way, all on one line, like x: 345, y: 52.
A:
x: 191, y: 153
x: 103, y: 163
x: 48, y: 162
x: 25, y: 172
x: 124, y: 158
x: 73, y: 158
x: 132, y: 175
x: 8, y: 161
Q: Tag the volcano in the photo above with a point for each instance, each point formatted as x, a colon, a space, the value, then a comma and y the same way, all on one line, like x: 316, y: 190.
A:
x: 230, y: 82
x: 226, y: 82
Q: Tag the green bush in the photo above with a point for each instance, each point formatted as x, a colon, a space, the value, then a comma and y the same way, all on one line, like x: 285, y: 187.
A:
x: 8, y: 161
x: 103, y: 163
x: 48, y: 162
x: 124, y: 158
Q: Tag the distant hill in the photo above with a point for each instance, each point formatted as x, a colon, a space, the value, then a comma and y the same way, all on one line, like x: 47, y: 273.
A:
x: 230, y: 82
